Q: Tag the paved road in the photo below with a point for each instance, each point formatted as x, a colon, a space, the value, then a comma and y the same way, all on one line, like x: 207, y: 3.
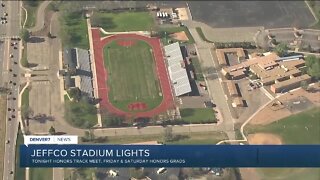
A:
x: 213, y: 82
x: 10, y: 66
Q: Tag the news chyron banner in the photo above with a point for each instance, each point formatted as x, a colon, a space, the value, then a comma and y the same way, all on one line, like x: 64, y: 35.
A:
x: 64, y: 151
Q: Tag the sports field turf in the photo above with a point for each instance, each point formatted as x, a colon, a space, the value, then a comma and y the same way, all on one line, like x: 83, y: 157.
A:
x: 302, y: 128
x: 131, y: 75
x: 125, y: 21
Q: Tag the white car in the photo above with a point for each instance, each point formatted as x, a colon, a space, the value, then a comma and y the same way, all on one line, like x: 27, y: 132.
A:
x: 161, y: 170
x: 113, y: 173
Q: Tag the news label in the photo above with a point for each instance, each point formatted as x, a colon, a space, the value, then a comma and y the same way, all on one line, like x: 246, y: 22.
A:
x: 69, y: 139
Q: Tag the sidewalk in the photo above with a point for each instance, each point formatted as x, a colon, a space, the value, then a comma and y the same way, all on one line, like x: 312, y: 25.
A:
x: 93, y: 68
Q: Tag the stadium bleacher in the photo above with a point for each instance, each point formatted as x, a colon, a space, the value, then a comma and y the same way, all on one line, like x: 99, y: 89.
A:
x: 176, y: 67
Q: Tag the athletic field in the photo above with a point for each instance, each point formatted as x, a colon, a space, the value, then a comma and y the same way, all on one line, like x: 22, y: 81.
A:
x: 132, y: 78
x: 131, y: 75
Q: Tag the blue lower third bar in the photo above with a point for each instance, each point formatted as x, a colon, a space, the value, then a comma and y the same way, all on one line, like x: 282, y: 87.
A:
x: 170, y: 156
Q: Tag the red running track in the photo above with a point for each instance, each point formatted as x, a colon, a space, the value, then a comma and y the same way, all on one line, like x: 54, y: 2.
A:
x: 102, y: 75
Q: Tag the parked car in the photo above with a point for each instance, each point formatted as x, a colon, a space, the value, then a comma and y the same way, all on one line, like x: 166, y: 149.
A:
x: 113, y: 173
x: 161, y: 170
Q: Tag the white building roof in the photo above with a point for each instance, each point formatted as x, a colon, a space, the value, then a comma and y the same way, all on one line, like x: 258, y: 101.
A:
x: 177, y: 72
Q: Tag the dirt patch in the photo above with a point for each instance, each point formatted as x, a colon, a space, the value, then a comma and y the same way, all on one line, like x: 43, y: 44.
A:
x: 182, y: 14
x: 180, y: 36
x: 270, y: 114
x: 277, y: 110
x: 264, y: 138
x: 249, y: 173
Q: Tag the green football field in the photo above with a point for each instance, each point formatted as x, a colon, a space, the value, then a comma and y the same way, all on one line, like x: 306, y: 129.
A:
x: 302, y: 128
x: 132, y: 75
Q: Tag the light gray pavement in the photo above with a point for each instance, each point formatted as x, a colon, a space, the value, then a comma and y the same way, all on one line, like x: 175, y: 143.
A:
x: 63, y: 126
x: 13, y: 18
x: 3, y: 63
x: 40, y: 16
x: 254, y: 99
x: 237, y: 34
x: 93, y: 68
x: 214, y: 84
x: 12, y: 28
x: 131, y: 131
x: 35, y: 57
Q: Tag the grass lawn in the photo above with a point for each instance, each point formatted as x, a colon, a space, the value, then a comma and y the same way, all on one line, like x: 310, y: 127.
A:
x: 302, y: 128
x: 25, y: 97
x: 131, y: 75
x: 202, y: 138
x: 295, y: 132
x: 19, y: 172
x: 24, y: 60
x: 25, y: 102
x: 80, y: 114
x: 289, y: 173
x: 172, y: 30
x: 197, y: 69
x: 201, y: 34
x: 124, y: 21
x: 189, y: 138
x: 316, y: 9
x: 74, y: 31
x: 32, y: 9
x: 41, y: 173
x: 3, y: 110
x: 198, y: 115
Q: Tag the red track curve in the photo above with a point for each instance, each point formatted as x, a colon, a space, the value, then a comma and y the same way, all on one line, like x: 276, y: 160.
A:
x: 102, y: 75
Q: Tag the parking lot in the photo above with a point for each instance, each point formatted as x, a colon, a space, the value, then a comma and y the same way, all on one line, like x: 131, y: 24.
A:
x: 253, y: 98
x: 38, y: 52
x: 271, y: 14
x: 40, y: 104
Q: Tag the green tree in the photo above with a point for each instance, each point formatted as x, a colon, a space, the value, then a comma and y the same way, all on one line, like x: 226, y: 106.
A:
x: 137, y: 173
x: 89, y: 135
x: 52, y: 130
x: 281, y: 49
x: 53, y: 6
x: 26, y: 112
x: 313, y: 65
x: 312, y: 3
x: 33, y: 3
x: 111, y: 120
x: 25, y: 35
x: 274, y: 41
x: 4, y: 90
x: 304, y: 85
x: 167, y: 134
x: 75, y: 93
x: 49, y: 35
